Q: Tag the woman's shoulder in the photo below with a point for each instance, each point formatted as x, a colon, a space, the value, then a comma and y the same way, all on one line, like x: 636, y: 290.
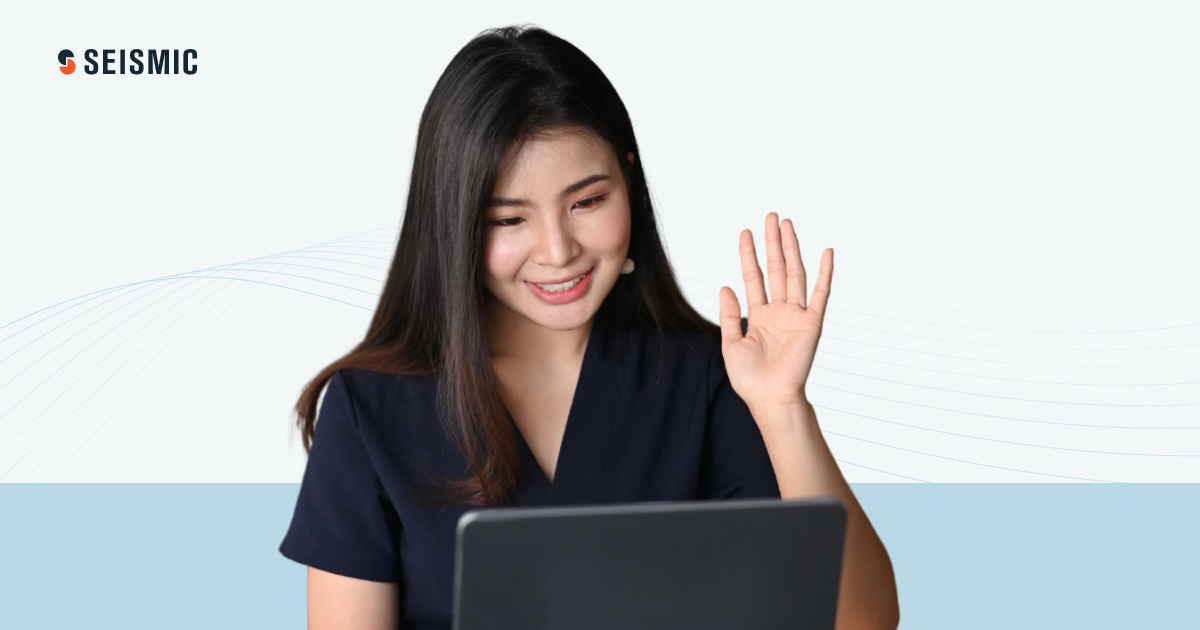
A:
x: 375, y: 393
x: 363, y: 377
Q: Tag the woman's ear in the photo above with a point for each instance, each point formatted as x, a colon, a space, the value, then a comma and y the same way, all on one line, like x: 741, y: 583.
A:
x: 629, y: 156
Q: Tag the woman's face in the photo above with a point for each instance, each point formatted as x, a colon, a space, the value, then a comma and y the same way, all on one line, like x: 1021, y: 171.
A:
x: 557, y: 230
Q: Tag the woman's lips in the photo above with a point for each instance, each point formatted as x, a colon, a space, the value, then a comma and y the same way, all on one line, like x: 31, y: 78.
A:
x: 563, y: 297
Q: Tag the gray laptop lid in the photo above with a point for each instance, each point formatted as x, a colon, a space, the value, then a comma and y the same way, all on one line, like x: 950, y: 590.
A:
x: 742, y: 563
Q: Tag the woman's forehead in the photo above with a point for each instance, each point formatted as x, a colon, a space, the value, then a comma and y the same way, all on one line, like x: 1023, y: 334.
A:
x: 545, y: 164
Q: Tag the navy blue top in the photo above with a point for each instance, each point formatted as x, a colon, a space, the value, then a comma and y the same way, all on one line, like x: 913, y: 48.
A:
x: 653, y: 419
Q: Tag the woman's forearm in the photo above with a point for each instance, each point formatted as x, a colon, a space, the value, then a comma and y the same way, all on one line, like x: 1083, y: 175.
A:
x: 805, y: 468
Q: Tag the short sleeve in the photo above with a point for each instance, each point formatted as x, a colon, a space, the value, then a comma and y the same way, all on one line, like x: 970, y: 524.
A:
x: 736, y: 464
x: 344, y: 522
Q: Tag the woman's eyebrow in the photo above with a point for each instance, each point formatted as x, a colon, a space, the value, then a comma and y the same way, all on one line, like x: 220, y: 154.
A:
x: 587, y: 181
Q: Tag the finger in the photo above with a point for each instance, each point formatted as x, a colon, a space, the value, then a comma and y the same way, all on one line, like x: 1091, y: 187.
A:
x: 751, y: 273
x: 730, y: 317
x: 797, y: 283
x: 820, y: 296
x: 776, y: 269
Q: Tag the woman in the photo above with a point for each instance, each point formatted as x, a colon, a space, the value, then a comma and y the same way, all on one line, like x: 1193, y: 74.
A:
x: 531, y: 347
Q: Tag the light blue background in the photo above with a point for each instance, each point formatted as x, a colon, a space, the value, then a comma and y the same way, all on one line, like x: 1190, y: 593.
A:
x: 966, y: 555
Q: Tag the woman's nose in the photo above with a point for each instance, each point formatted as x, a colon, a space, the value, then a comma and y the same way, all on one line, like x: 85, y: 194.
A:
x: 557, y: 245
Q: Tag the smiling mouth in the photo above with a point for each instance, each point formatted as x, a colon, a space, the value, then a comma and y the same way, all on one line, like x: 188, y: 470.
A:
x: 562, y: 286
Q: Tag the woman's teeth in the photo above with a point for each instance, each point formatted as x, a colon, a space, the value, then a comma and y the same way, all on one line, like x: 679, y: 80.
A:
x: 555, y: 288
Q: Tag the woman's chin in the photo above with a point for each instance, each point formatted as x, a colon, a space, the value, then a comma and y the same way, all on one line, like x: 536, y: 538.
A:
x: 563, y: 317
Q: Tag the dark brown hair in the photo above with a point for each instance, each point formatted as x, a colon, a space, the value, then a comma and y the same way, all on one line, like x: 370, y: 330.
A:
x: 506, y: 85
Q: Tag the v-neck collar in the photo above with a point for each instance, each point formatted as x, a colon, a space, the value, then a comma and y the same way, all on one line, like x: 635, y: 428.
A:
x: 581, y: 454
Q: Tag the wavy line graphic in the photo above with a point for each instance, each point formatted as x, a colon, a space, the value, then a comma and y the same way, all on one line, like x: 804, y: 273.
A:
x: 191, y: 376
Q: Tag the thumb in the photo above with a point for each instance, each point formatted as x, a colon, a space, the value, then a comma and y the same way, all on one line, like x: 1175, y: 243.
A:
x: 731, y: 318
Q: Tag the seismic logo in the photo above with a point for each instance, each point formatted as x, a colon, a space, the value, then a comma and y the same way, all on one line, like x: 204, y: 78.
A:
x: 64, y: 60
x: 113, y: 61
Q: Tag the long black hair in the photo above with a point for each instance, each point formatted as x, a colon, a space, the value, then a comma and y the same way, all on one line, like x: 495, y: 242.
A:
x: 505, y: 86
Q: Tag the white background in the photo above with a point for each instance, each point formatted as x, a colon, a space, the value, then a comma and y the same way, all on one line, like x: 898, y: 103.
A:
x: 1011, y: 191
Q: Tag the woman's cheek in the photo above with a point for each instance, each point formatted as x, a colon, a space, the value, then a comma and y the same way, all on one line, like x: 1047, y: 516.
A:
x: 609, y: 233
x: 503, y: 257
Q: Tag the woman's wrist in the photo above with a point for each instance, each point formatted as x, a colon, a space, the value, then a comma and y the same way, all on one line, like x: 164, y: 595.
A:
x: 784, y: 414
x: 782, y: 418
x: 803, y: 464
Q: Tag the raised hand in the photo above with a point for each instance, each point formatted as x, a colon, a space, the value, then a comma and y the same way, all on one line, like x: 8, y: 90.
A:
x: 769, y: 365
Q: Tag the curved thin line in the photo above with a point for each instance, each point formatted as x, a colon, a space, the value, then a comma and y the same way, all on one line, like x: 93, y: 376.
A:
x: 136, y: 287
x: 313, y: 267
x: 998, y: 378
x: 952, y: 356
x: 842, y: 461
x: 1021, y: 286
x: 898, y: 246
x: 187, y: 275
x: 30, y: 393
x: 1050, y: 332
x: 986, y: 415
x: 951, y: 310
x: 977, y: 343
x: 219, y: 288
x: 160, y: 399
x: 698, y: 280
x: 280, y: 273
x: 120, y: 389
x: 347, y: 254
x: 230, y: 290
x: 1010, y: 330
x: 1030, y: 472
x: 112, y: 374
x: 363, y: 247
x: 167, y: 277
x: 694, y: 262
x: 1048, y: 402
x: 976, y: 437
x: 212, y: 418
x: 983, y: 284
x: 102, y: 336
x: 286, y: 287
x: 1002, y: 299
x: 1004, y: 345
x: 101, y: 291
x: 326, y: 258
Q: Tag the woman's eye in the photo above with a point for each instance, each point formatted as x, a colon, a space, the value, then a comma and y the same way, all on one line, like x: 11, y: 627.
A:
x: 590, y: 201
x: 508, y: 221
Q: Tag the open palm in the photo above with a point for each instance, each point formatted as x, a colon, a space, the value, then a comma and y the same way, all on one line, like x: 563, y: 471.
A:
x: 769, y: 365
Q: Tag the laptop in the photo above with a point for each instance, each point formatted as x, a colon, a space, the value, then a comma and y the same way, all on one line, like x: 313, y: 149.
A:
x: 737, y: 563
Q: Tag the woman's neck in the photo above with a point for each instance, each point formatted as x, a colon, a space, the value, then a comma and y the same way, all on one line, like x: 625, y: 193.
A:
x: 511, y: 334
